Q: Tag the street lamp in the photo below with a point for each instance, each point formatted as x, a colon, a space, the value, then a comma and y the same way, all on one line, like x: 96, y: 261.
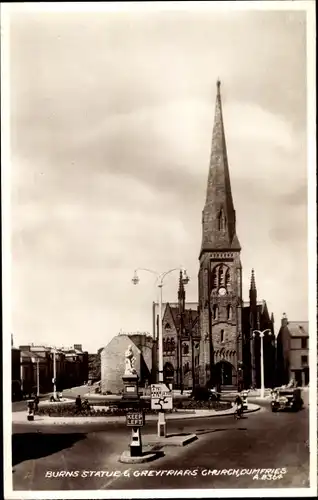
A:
x: 37, y: 378
x: 262, y: 334
x: 160, y: 280
x: 54, y: 373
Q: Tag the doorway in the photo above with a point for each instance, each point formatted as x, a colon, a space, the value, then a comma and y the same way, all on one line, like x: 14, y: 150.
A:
x: 224, y: 373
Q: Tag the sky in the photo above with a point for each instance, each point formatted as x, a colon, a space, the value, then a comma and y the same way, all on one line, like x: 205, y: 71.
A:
x: 111, y: 118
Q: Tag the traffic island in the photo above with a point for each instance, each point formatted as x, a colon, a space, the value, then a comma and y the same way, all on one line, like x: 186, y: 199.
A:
x: 146, y: 456
x: 170, y: 440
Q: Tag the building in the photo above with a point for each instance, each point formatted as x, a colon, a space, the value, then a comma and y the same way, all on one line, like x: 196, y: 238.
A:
x: 113, y: 360
x: 75, y: 367
x: 36, y: 364
x: 212, y: 343
x: 94, y: 366
x: 15, y: 373
x: 292, y: 352
x: 37, y: 368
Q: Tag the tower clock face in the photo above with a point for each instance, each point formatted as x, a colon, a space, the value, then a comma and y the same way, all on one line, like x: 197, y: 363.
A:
x: 222, y: 291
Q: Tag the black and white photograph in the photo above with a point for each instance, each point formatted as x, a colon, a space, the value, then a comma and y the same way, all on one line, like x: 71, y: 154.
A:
x: 159, y: 249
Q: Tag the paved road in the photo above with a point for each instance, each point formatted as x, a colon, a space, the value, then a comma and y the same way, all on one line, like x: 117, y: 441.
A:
x: 262, y: 440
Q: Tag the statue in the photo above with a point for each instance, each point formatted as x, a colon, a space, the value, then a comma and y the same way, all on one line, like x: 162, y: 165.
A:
x: 130, y: 362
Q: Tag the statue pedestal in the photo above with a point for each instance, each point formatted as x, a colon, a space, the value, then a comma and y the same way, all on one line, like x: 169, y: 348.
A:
x: 130, y: 387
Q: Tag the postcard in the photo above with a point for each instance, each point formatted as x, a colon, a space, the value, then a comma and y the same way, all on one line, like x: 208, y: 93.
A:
x: 159, y: 249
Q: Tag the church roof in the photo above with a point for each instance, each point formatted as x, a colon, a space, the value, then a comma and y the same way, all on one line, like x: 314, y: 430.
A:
x: 190, y: 316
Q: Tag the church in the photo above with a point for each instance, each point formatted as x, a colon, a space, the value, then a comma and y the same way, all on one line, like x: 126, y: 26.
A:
x: 210, y: 342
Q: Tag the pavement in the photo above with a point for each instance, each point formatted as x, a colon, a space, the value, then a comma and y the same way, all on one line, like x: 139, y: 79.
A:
x: 20, y: 417
x: 227, y: 454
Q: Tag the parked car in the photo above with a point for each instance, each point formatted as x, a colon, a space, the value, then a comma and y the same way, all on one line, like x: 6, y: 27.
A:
x: 286, y: 399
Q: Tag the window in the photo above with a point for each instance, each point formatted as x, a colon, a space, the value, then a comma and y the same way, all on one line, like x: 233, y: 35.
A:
x: 167, y: 326
x: 227, y: 278
x: 221, y: 221
x: 185, y: 349
x: 168, y: 345
x: 222, y: 335
x: 221, y: 276
x: 186, y: 367
x: 215, y: 311
x: 229, y: 312
x: 304, y: 343
x: 304, y: 361
x: 214, y: 278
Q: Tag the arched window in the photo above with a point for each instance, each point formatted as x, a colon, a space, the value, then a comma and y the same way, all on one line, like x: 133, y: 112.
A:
x: 215, y: 311
x: 186, y: 367
x: 214, y: 278
x: 185, y: 349
x: 172, y: 345
x: 222, y: 335
x: 221, y: 276
x: 229, y: 312
x: 168, y: 345
x: 227, y: 278
x: 221, y: 221
x: 167, y: 326
x: 164, y: 347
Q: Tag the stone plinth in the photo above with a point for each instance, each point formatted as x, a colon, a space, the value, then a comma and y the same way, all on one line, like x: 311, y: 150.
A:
x: 131, y: 387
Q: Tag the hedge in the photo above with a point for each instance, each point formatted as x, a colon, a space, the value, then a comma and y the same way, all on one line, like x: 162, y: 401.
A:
x: 70, y: 410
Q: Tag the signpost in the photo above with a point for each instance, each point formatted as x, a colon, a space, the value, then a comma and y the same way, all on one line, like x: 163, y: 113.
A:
x: 135, y: 419
x: 161, y: 397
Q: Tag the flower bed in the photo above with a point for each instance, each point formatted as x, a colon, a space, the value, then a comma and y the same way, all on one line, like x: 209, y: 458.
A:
x: 190, y: 404
x: 114, y: 409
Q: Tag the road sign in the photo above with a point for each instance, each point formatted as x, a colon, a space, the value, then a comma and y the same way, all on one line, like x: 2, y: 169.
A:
x: 135, y: 419
x: 161, y: 397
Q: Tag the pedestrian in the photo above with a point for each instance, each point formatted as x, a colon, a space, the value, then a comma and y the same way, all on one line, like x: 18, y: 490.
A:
x: 78, y: 403
x: 239, y: 405
x: 31, y: 406
x: 36, y: 404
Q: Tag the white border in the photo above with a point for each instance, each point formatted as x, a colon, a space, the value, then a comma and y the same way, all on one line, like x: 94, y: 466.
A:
x: 309, y: 7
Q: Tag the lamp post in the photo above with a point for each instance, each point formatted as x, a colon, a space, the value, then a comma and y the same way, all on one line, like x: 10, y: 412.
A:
x: 262, y: 334
x: 37, y: 378
x: 54, y: 373
x: 160, y: 279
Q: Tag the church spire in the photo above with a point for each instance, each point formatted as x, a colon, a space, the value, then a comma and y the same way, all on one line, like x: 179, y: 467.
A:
x: 218, y: 218
x: 253, y: 292
x: 181, y: 293
x: 253, y: 285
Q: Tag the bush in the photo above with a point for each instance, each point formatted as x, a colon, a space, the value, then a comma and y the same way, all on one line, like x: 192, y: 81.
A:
x: 204, y: 394
x: 202, y: 405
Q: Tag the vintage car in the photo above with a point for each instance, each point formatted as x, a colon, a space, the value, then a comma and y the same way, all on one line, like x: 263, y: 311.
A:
x: 284, y: 398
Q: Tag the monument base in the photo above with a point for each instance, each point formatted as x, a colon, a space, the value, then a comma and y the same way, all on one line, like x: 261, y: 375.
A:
x: 130, y: 386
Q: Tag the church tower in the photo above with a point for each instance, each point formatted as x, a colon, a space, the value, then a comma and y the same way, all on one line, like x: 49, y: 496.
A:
x: 220, y: 274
